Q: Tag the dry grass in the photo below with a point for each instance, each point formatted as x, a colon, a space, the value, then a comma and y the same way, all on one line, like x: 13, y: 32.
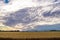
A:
x: 29, y: 34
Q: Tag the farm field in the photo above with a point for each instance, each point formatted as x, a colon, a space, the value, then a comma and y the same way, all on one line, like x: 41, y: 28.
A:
x: 29, y: 35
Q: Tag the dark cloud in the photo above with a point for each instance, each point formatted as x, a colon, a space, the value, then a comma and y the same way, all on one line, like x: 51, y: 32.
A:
x: 21, y: 16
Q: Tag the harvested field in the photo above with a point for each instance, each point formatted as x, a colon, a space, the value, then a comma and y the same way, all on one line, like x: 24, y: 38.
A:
x: 18, y: 35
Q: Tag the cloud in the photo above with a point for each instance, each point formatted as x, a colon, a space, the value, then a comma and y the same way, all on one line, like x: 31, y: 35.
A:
x: 29, y: 17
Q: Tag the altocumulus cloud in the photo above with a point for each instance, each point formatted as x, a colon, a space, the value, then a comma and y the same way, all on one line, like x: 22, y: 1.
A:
x: 29, y: 14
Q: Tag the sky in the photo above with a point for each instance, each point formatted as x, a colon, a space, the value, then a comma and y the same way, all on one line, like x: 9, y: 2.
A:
x: 30, y: 14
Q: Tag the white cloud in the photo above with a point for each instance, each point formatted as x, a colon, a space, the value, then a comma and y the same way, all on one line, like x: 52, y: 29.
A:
x: 46, y: 6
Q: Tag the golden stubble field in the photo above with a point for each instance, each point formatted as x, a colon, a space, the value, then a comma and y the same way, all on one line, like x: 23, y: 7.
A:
x: 29, y: 34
